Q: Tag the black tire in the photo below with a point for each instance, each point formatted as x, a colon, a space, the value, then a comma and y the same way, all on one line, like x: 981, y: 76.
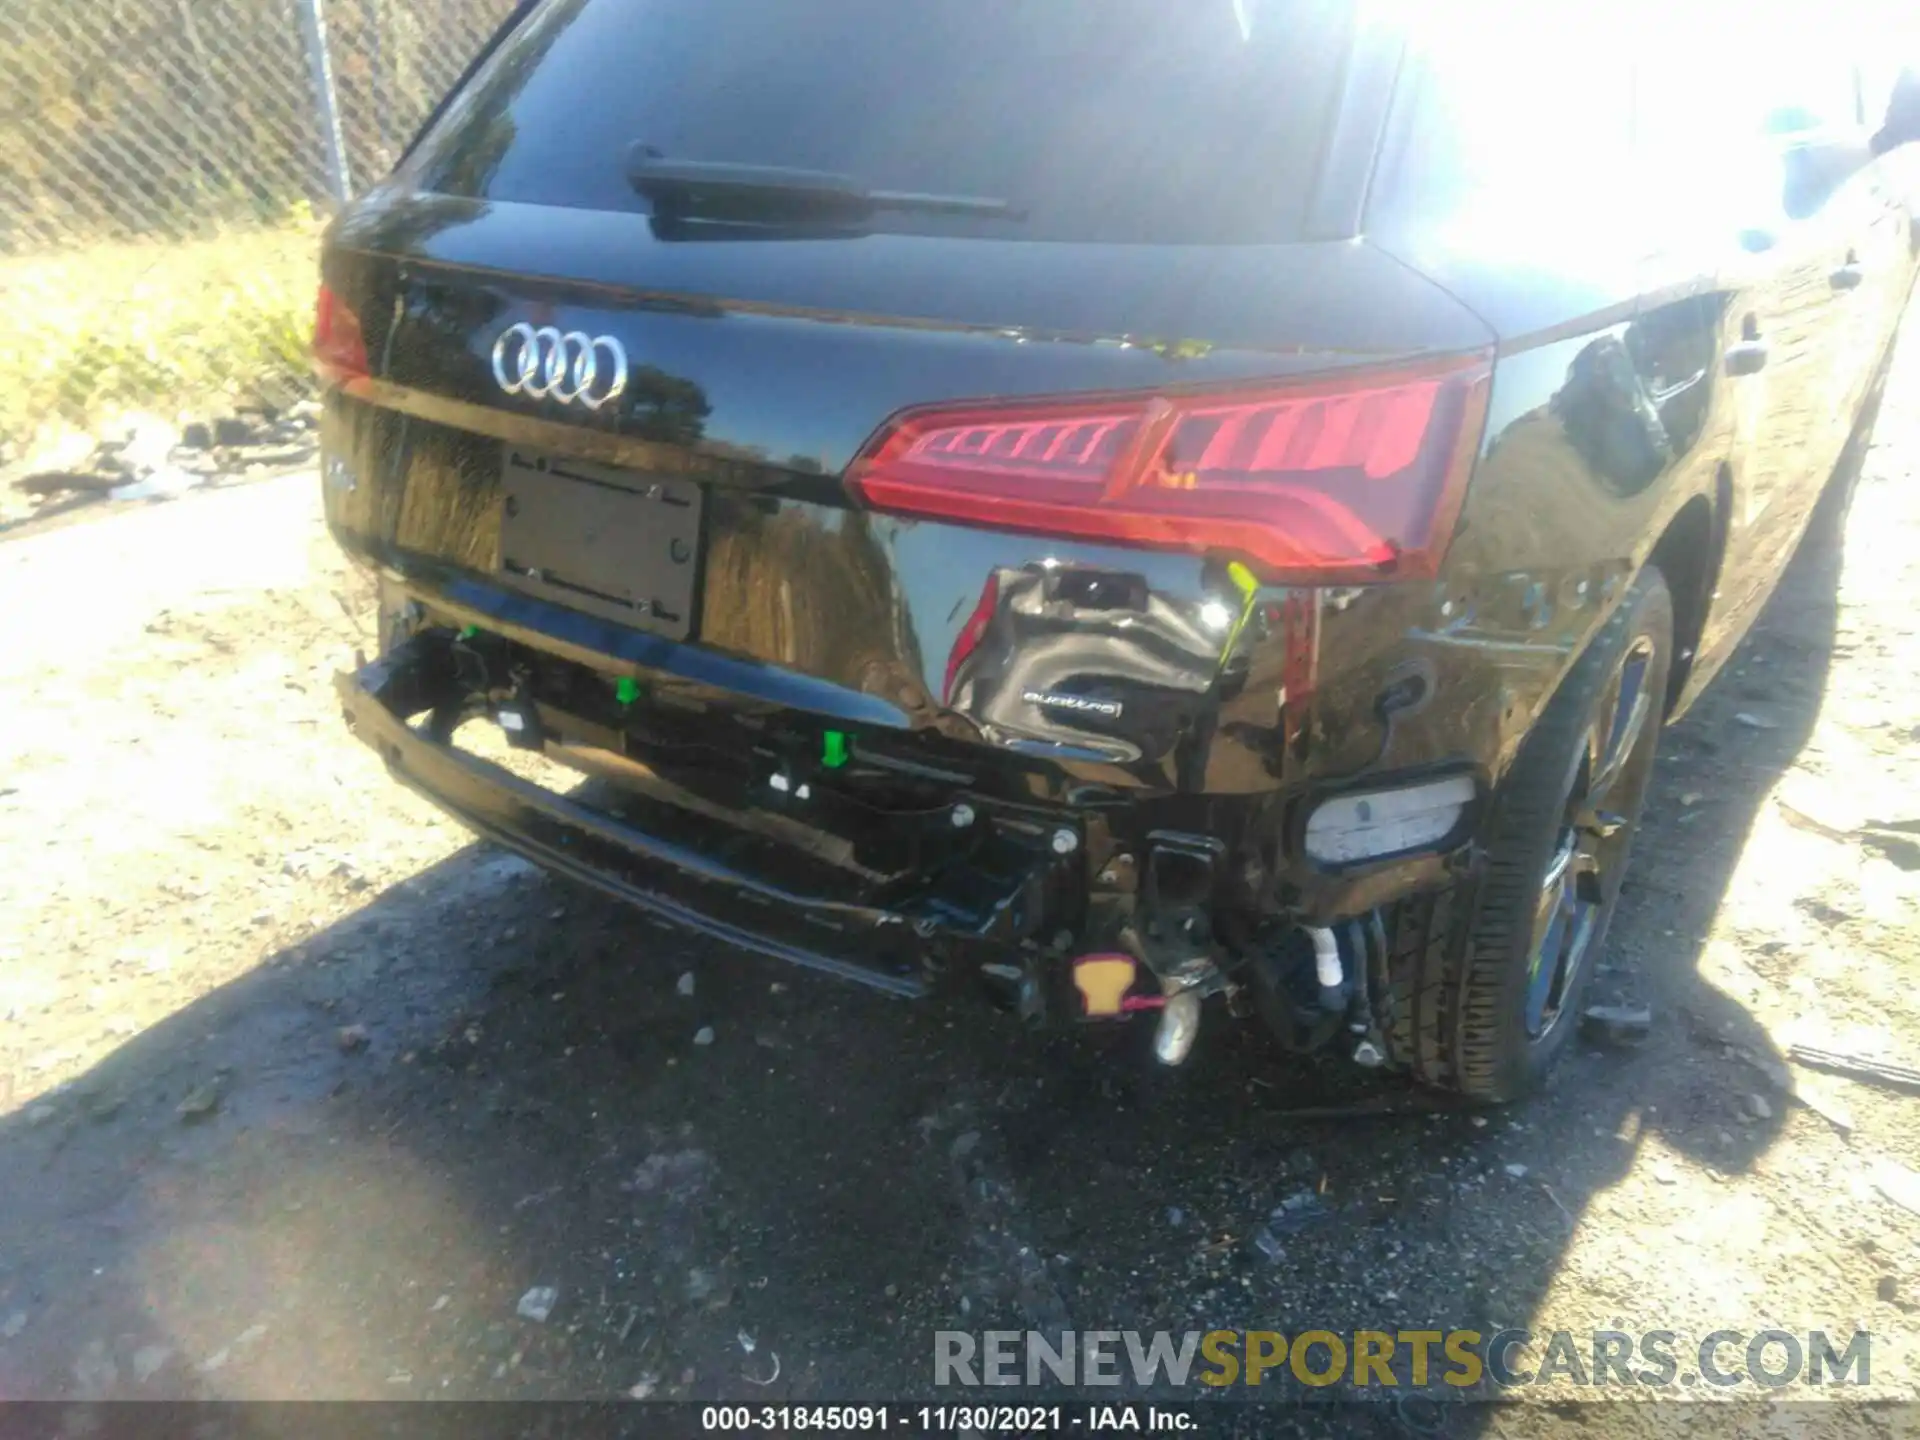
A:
x: 1461, y: 976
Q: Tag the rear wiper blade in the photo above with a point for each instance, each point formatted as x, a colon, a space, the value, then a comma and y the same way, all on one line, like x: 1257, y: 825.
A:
x: 721, y: 191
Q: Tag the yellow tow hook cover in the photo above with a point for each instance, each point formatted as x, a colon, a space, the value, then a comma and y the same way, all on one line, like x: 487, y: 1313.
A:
x: 1103, y: 982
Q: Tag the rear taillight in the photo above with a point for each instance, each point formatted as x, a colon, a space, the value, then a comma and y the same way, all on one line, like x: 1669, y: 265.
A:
x: 1341, y: 478
x: 339, y: 345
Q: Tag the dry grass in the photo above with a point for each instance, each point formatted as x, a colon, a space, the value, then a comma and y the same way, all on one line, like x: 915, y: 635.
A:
x: 168, y: 328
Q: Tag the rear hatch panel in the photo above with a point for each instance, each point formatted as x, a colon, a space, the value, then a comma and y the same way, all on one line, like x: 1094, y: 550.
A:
x: 795, y: 594
x: 761, y: 364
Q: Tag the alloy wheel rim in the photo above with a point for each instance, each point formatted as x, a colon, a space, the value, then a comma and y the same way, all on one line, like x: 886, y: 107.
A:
x: 1584, y: 873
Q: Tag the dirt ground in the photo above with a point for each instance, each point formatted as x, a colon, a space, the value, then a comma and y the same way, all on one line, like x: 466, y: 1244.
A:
x: 301, y: 1091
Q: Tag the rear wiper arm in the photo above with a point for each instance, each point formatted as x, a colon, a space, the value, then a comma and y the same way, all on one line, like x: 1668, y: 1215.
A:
x: 713, y: 189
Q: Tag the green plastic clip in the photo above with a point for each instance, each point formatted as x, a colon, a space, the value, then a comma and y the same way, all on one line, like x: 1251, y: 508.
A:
x: 1248, y: 584
x: 467, y: 632
x: 833, y: 749
x: 626, y: 690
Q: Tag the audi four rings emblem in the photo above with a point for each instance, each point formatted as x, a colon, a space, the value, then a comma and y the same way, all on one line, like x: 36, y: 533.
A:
x: 573, y: 368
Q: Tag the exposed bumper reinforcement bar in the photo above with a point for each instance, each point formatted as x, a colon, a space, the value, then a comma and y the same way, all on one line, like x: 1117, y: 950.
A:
x: 669, y: 879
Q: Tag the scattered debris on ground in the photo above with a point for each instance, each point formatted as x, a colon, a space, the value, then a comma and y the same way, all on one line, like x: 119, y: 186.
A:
x: 1859, y: 1067
x: 1618, y: 1025
x: 143, y: 457
x: 537, y: 1304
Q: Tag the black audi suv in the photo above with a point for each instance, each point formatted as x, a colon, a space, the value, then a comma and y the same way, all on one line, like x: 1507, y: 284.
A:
x: 1139, y: 508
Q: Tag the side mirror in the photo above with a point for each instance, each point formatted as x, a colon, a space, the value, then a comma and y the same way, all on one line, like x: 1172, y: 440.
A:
x: 1902, y: 125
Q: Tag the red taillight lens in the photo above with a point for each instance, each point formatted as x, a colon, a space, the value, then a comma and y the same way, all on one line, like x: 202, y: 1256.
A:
x: 1349, y: 477
x: 339, y: 345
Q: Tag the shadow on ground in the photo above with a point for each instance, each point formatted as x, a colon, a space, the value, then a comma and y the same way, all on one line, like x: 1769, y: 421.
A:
x: 779, y: 1188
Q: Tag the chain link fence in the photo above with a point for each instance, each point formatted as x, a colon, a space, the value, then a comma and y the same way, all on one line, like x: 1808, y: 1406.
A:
x: 163, y: 168
x: 138, y: 119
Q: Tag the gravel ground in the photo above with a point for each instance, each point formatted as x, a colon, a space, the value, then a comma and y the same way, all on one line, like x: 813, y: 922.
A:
x: 301, y: 1091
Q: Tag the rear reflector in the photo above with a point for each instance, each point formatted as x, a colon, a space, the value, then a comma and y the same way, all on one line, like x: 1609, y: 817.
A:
x: 339, y: 345
x: 1349, y: 477
x: 972, y: 633
x: 1377, y: 823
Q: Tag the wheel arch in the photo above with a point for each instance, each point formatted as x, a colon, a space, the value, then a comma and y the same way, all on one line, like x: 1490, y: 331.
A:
x: 1689, y: 552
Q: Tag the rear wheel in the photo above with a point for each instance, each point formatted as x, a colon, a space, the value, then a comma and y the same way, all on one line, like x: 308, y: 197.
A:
x: 1486, y: 978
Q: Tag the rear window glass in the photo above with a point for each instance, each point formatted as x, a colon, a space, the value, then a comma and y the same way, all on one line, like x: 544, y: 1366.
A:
x: 1485, y: 146
x: 1200, y: 121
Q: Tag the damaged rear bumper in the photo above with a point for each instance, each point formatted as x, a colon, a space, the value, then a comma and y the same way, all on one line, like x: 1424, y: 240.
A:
x: 667, y: 860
